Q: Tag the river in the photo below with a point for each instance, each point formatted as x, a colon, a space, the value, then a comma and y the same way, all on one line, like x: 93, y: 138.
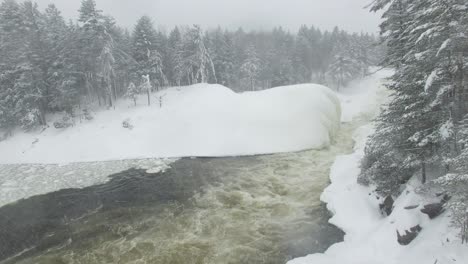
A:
x: 259, y: 209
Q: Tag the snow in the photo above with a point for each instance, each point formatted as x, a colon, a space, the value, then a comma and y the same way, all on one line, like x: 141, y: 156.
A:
x: 370, y: 237
x: 363, y: 96
x: 443, y: 46
x: 198, y: 120
x: 20, y: 181
x: 430, y: 79
x: 446, y: 130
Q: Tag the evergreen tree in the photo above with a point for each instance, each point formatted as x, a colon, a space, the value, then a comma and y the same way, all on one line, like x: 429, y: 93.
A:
x: 173, y: 60
x: 224, y: 61
x: 132, y: 93
x: 195, y: 63
x: 425, y: 124
x: 149, y: 59
x: 251, y: 67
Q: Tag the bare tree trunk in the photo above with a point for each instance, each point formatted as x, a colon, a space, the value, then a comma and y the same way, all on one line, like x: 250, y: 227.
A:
x: 114, y: 87
x: 148, y: 91
x: 423, y: 171
x: 88, y: 86
x: 464, y: 229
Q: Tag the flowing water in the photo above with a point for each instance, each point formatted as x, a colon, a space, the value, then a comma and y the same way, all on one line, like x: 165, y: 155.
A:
x: 261, y: 209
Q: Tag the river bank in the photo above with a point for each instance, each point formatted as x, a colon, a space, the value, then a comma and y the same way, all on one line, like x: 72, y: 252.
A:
x: 370, y: 237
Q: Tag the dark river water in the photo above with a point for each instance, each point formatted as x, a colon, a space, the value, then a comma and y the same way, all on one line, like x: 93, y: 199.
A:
x: 262, y: 209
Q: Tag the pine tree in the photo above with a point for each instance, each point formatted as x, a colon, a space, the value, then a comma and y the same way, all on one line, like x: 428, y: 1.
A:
x: 90, y: 16
x: 132, y: 93
x: 342, y: 70
x: 145, y: 86
x: 251, y: 67
x: 194, y: 60
x: 145, y: 53
x: 424, y: 125
x: 173, y: 60
x: 12, y: 49
x: 303, y: 55
x: 224, y: 61
x: 107, y: 61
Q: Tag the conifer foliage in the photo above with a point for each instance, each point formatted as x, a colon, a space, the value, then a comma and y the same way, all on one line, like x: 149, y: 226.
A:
x: 423, y: 129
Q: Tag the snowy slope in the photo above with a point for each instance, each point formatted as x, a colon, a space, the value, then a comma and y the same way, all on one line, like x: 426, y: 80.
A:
x: 198, y: 120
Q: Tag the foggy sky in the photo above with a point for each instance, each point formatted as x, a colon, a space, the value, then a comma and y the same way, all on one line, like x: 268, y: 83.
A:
x: 249, y: 14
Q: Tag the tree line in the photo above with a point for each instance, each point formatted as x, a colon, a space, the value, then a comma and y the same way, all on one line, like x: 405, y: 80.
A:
x: 52, y: 65
x: 424, y: 128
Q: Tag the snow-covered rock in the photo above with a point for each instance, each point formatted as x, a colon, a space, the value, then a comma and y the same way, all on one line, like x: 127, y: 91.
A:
x: 198, y: 120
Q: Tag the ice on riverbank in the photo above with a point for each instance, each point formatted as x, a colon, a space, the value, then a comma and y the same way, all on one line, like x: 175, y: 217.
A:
x: 19, y: 181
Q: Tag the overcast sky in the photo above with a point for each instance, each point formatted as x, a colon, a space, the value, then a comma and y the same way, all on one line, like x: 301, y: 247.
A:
x: 250, y: 14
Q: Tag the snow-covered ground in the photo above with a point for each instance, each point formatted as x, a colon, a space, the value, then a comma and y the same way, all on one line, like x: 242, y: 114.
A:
x: 198, y: 120
x: 370, y: 237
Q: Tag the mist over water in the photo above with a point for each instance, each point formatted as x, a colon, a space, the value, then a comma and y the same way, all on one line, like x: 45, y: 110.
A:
x: 262, y: 209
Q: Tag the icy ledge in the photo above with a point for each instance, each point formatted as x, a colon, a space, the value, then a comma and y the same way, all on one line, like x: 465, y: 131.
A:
x: 198, y: 120
x: 371, y: 238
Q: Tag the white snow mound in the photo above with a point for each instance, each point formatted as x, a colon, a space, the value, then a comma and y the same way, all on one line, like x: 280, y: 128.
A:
x: 198, y: 120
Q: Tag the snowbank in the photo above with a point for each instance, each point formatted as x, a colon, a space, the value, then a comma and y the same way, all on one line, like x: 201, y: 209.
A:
x: 198, y: 120
x: 371, y: 238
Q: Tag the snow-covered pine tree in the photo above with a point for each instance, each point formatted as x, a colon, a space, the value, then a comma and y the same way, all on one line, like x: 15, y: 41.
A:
x: 148, y: 58
x: 106, y: 59
x: 194, y: 61
x: 145, y: 86
x: 65, y: 74
x: 393, y: 153
x: 446, y: 32
x: 303, y: 55
x: 90, y: 16
x: 173, y: 43
x: 224, y: 60
x: 280, y: 58
x: 132, y: 93
x: 342, y: 70
x: 251, y: 67
x: 92, y: 39
x: 12, y: 48
x: 425, y: 124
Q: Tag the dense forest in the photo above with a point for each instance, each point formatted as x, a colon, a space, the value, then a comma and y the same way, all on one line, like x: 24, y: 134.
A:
x: 424, y: 129
x: 49, y: 65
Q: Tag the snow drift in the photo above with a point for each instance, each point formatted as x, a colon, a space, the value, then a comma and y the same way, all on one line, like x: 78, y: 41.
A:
x: 198, y: 120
